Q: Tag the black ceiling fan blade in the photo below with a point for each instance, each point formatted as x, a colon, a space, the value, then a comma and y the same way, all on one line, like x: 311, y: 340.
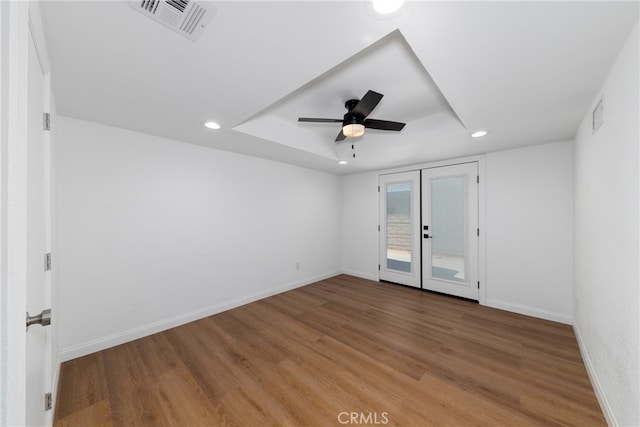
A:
x: 383, y: 124
x: 368, y: 102
x: 316, y: 120
x: 340, y: 136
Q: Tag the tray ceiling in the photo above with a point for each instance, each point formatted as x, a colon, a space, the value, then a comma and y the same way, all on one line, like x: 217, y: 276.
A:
x: 526, y: 71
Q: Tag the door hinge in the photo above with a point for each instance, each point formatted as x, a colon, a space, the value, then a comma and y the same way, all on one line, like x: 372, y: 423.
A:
x: 478, y: 231
x: 46, y: 121
x: 378, y: 188
x: 478, y: 179
x: 378, y: 228
x: 48, y: 401
x: 47, y: 262
x: 378, y: 267
x: 478, y: 284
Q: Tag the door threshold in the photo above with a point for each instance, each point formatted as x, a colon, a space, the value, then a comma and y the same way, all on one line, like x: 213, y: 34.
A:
x: 430, y: 291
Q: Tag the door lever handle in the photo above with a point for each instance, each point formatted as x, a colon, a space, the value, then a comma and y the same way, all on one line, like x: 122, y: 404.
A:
x: 44, y: 318
x: 426, y: 236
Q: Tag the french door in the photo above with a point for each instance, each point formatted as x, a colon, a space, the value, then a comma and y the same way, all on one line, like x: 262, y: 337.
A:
x: 429, y: 229
x: 400, y: 228
x: 450, y: 230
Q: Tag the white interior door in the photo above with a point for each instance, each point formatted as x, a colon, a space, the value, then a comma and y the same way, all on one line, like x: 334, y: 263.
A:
x: 400, y: 228
x: 38, y: 340
x: 450, y: 230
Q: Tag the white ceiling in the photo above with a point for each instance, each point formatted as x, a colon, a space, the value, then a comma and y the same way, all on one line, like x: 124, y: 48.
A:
x: 526, y: 71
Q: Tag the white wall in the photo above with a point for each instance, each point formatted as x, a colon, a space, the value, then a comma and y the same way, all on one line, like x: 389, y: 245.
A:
x: 154, y: 232
x: 360, y: 225
x: 606, y: 258
x: 529, y: 230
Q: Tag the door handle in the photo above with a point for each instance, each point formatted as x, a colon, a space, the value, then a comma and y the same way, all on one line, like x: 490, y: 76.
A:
x: 44, y: 318
x: 426, y: 236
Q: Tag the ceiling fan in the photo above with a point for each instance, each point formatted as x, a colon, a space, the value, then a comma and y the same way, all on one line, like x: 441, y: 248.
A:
x: 355, y: 120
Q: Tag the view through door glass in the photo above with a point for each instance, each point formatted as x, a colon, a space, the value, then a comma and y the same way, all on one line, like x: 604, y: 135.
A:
x: 449, y: 217
x: 399, y: 228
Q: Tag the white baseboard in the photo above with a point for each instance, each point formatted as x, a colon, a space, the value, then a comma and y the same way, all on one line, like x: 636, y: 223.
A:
x: 361, y: 275
x: 529, y: 311
x: 113, y: 340
x: 597, y: 388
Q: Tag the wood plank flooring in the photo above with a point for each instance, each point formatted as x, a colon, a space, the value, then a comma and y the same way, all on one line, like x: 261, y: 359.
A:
x: 342, y: 351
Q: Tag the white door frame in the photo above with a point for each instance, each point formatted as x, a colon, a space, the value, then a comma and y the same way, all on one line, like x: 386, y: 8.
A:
x: 15, y: 45
x: 481, y: 207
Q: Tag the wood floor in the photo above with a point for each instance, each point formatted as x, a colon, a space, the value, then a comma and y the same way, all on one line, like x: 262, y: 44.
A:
x: 343, y: 351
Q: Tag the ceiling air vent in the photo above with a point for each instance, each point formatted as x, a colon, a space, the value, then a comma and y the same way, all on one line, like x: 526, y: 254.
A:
x: 597, y: 116
x: 186, y: 17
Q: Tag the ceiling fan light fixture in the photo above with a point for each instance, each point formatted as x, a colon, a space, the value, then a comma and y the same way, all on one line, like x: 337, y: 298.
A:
x: 353, y: 130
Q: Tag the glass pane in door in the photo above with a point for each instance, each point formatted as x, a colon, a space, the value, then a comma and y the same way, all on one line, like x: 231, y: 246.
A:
x: 398, y: 226
x: 449, y: 222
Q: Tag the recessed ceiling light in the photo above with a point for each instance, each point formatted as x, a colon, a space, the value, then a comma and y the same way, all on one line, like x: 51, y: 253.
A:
x: 387, y: 6
x: 212, y: 125
x: 342, y: 162
x: 478, y: 133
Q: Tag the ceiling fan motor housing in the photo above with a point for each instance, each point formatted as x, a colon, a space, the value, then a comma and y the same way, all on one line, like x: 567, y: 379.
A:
x: 351, y: 104
x: 353, y: 119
